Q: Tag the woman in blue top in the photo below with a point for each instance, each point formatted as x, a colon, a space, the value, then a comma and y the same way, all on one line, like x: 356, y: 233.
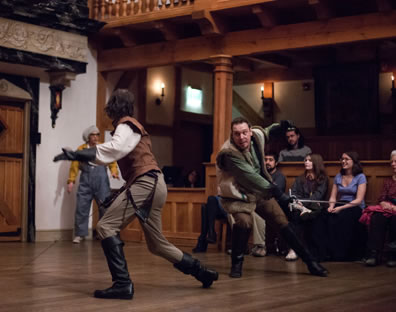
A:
x: 345, y: 235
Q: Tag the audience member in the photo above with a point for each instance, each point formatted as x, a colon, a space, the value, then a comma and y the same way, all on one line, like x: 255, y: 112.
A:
x: 210, y: 211
x: 191, y: 179
x: 311, y: 185
x: 296, y: 150
x: 272, y: 238
x: 94, y: 184
x: 345, y: 237
x: 382, y: 219
x: 271, y: 163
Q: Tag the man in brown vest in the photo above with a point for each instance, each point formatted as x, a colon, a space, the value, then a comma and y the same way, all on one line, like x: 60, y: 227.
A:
x: 142, y: 196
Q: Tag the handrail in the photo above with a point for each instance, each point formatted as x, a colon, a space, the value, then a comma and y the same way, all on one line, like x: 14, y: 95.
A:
x: 119, y: 12
x: 110, y: 10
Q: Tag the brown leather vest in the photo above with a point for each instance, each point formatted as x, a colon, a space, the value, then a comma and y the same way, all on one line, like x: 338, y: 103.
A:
x: 141, y: 159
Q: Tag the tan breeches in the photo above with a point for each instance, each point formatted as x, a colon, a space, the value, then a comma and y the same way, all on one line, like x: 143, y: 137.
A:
x: 122, y: 212
x: 268, y: 210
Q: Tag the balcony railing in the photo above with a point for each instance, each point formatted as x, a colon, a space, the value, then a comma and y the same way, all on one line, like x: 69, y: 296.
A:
x: 108, y: 10
x: 122, y: 12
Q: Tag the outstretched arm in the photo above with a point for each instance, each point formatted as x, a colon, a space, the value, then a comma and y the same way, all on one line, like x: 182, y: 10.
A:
x: 122, y: 143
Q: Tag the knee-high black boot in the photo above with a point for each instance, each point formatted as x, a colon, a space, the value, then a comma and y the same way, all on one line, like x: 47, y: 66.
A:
x: 122, y: 287
x: 240, y: 237
x: 202, y: 244
x: 192, y: 266
x: 292, y: 240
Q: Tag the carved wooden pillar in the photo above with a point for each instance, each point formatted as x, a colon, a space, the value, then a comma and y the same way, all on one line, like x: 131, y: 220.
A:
x: 222, y: 112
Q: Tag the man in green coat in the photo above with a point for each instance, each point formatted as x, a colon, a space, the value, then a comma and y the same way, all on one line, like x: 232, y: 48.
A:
x: 247, y: 191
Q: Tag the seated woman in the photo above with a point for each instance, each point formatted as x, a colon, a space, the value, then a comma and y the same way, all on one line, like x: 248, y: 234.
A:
x: 191, y: 179
x: 382, y: 219
x: 210, y: 211
x: 310, y: 185
x: 345, y: 236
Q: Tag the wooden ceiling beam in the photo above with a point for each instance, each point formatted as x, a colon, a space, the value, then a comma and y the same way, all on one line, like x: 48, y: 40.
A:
x: 208, y: 24
x: 273, y: 61
x: 168, y: 30
x: 128, y: 40
x: 272, y: 74
x: 242, y: 64
x: 266, y: 18
x: 282, y: 37
x: 322, y: 9
x: 223, y: 5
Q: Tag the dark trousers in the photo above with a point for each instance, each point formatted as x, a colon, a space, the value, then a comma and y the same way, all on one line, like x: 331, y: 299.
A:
x: 379, y: 226
x: 337, y: 236
x: 211, y: 211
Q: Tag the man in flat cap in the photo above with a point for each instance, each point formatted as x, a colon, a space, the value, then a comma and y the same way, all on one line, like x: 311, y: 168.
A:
x: 94, y: 184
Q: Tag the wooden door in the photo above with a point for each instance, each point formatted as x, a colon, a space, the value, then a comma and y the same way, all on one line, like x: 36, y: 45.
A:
x: 11, y: 169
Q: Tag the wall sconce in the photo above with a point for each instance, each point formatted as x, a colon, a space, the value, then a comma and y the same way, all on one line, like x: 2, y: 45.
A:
x: 56, y: 101
x: 267, y: 94
x: 158, y: 100
x: 393, y: 83
x: 58, y: 82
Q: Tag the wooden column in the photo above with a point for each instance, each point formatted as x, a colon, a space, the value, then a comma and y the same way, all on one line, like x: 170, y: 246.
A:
x: 222, y: 112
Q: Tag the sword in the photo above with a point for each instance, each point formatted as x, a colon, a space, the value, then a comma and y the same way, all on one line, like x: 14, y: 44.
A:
x: 315, y: 200
x: 320, y: 201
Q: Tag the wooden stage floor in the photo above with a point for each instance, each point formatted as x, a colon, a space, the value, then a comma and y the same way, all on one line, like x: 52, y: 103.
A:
x: 60, y: 276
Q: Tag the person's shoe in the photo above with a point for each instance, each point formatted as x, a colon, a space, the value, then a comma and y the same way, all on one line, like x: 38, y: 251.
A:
x: 259, y: 251
x: 211, y: 238
x: 236, y: 266
x: 293, y: 241
x: 291, y: 255
x: 202, y: 246
x: 391, y: 263
x: 315, y: 268
x: 116, y: 292
x: 77, y: 240
x: 372, y: 259
x: 192, y: 266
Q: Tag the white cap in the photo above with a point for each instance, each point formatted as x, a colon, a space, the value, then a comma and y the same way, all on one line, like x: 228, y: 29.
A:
x: 88, y: 131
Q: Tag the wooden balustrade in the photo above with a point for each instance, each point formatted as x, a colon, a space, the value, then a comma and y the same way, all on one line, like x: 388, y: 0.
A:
x: 108, y: 10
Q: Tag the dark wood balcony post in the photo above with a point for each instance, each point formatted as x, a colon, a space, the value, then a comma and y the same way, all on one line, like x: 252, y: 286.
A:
x: 222, y: 112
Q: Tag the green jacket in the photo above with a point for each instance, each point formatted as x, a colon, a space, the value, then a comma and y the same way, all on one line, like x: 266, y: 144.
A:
x: 242, y: 176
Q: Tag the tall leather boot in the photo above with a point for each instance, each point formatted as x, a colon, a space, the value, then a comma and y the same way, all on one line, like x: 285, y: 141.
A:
x: 202, y: 245
x: 240, y: 237
x: 192, y: 266
x: 211, y: 212
x: 122, y: 287
x: 293, y: 241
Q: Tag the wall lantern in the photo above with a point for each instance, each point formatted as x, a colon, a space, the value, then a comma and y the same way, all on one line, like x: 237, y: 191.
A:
x: 58, y: 81
x: 267, y: 97
x: 159, y: 100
